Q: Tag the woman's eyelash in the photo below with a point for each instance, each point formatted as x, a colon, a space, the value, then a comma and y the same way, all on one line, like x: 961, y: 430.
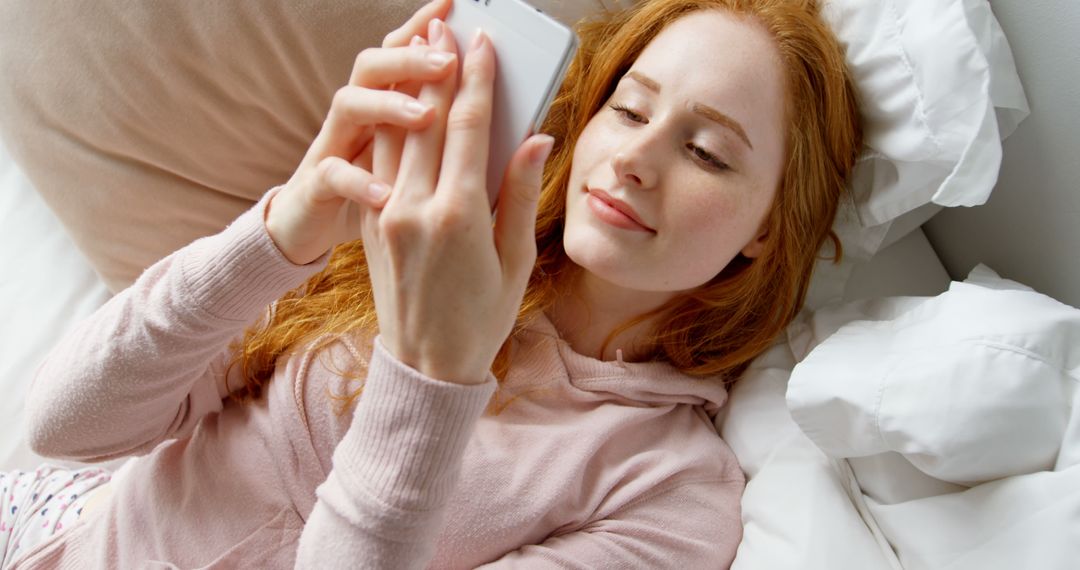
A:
x: 707, y: 157
x: 699, y: 153
x: 627, y: 112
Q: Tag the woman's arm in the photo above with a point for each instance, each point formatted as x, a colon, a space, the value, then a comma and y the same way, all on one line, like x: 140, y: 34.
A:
x: 383, y: 503
x: 150, y: 362
x: 447, y: 288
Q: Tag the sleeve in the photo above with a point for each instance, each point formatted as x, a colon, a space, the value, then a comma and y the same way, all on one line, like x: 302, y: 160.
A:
x: 383, y: 503
x: 150, y: 362
x: 693, y: 525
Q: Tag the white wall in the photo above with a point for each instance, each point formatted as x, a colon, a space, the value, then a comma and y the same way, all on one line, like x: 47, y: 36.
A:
x: 1030, y: 228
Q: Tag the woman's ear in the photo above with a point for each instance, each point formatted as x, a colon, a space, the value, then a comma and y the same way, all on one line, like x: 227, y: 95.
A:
x: 756, y: 245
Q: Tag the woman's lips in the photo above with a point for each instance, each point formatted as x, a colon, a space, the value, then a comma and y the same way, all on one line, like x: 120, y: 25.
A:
x: 615, y: 212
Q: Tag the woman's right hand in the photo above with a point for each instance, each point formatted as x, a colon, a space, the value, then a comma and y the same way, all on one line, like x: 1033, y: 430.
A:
x: 317, y: 208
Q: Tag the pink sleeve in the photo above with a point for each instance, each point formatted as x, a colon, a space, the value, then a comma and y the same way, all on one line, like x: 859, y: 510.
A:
x: 694, y: 525
x: 149, y: 363
x: 385, y: 498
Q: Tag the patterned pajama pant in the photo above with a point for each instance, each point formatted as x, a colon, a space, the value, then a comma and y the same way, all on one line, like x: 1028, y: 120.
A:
x: 38, y: 504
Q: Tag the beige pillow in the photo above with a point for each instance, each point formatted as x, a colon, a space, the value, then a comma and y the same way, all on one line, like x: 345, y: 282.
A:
x: 146, y: 125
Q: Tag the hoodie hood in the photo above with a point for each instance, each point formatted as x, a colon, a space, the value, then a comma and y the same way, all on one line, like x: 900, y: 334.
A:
x: 642, y: 383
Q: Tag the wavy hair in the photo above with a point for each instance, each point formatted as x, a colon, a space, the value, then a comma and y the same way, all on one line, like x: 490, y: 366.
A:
x: 713, y: 330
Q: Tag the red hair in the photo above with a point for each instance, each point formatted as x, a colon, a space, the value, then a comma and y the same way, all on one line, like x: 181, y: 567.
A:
x: 716, y: 329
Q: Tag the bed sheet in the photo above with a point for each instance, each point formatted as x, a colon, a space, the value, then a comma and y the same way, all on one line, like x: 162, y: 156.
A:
x: 802, y: 509
x: 958, y: 416
x: 45, y: 286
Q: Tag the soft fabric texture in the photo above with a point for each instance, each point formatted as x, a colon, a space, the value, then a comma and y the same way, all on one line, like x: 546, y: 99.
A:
x: 955, y: 420
x: 147, y: 125
x: 572, y: 461
x: 823, y: 524
x: 35, y: 505
x: 938, y: 91
x: 915, y: 521
x: 799, y: 508
x: 973, y: 385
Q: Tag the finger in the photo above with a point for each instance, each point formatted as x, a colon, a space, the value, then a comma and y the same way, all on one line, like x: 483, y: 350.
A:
x: 515, y: 220
x: 422, y: 152
x: 418, y: 23
x: 468, y: 126
x: 389, y: 140
x: 383, y: 67
x: 335, y: 179
x: 354, y: 111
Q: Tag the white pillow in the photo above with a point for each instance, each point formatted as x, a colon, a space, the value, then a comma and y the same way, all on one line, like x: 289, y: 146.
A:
x: 939, y: 90
x: 970, y: 386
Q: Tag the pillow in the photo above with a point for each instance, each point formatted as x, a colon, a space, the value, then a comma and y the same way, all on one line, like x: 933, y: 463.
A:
x: 974, y: 385
x: 939, y: 90
x: 145, y: 125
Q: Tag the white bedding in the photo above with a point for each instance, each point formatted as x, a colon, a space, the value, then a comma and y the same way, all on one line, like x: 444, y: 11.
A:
x: 46, y: 285
x: 949, y: 426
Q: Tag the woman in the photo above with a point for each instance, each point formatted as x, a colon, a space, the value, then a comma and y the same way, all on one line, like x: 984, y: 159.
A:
x: 437, y: 398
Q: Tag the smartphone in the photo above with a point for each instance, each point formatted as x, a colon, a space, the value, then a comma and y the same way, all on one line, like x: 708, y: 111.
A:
x: 532, y: 54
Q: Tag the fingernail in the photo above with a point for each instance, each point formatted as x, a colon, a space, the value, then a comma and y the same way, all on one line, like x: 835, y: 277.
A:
x: 415, y: 41
x: 379, y: 191
x: 477, y: 40
x: 542, y: 149
x: 415, y: 108
x: 439, y: 59
x: 435, y: 31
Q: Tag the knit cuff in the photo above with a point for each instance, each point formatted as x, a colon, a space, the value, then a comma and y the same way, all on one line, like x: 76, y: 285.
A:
x: 234, y: 275
x: 408, y: 435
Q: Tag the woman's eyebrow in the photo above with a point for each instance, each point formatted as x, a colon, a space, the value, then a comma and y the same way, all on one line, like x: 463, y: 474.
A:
x: 699, y: 108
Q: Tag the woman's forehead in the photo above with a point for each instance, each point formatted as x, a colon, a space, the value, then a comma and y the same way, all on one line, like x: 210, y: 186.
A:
x: 715, y: 52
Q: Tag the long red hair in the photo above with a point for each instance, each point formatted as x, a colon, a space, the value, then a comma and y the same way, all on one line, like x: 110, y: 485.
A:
x: 716, y: 329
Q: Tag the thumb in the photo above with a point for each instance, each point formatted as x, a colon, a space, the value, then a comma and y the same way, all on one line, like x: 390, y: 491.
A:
x: 515, y: 220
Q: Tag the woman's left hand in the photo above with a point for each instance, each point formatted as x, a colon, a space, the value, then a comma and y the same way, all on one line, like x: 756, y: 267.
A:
x: 319, y: 207
x: 447, y: 285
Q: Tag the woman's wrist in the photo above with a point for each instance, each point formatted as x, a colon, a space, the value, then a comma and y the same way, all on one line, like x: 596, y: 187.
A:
x: 276, y: 228
x: 439, y: 364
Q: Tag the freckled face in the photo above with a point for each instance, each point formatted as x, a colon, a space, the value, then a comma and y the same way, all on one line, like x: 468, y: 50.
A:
x: 676, y: 174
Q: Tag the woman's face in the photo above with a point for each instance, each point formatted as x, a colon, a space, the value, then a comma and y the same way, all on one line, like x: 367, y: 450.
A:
x: 676, y: 174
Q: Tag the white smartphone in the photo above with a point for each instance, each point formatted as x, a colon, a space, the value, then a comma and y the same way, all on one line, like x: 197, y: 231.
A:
x: 532, y: 53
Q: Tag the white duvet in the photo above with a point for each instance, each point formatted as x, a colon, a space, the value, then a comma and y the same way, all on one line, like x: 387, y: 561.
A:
x: 915, y: 433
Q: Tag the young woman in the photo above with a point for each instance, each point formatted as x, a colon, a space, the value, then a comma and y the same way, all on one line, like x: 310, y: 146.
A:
x: 445, y: 391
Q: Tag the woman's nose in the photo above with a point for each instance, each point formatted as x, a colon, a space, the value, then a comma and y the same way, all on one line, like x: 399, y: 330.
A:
x: 634, y: 161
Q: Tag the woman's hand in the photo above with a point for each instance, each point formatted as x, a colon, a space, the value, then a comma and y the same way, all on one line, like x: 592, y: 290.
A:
x: 319, y: 206
x: 447, y: 285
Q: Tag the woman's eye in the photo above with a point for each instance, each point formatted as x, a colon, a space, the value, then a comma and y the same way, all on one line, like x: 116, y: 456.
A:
x: 707, y: 157
x: 628, y: 113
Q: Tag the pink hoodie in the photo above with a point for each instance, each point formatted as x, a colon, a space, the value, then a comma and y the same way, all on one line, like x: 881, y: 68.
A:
x: 575, y: 462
